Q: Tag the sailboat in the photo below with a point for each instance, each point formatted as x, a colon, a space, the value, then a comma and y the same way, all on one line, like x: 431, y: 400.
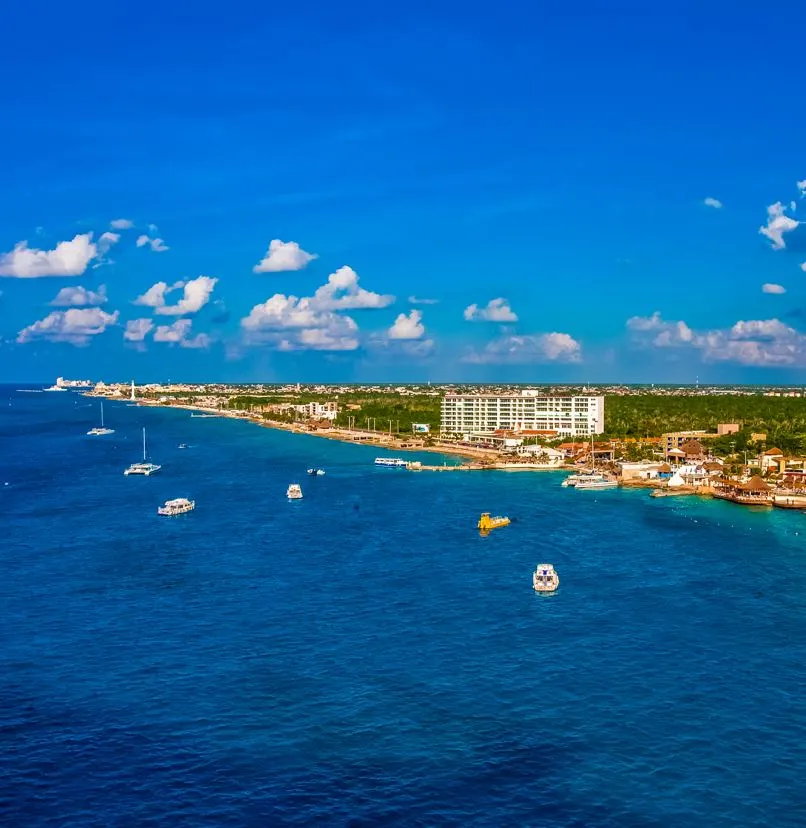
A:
x: 145, y: 467
x: 595, y: 480
x: 100, y: 432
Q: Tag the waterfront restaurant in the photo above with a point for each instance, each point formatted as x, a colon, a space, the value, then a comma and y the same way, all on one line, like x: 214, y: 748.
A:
x: 753, y: 492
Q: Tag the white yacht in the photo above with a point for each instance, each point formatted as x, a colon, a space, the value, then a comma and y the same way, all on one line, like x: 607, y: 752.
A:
x: 178, y: 506
x: 144, y: 468
x: 545, y: 579
x: 395, y: 462
x: 294, y: 492
x: 100, y: 432
x: 600, y: 482
x: 573, y: 479
x: 55, y: 388
x: 317, y: 472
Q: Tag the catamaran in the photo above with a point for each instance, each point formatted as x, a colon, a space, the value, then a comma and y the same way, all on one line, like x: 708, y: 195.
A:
x: 99, y: 432
x: 177, y: 506
x: 294, y: 492
x: 145, y: 467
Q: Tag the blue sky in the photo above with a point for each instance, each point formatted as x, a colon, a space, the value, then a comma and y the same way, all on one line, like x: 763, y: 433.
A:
x: 553, y: 162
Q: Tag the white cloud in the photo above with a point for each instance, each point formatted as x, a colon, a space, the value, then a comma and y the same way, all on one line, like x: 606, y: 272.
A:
x: 121, y: 224
x: 408, y: 326
x: 106, y: 240
x: 801, y: 185
x: 319, y: 339
x: 196, y: 294
x: 768, y: 287
x: 778, y: 223
x: 156, y: 244
x: 342, y: 292
x: 536, y: 348
x: 68, y: 258
x: 496, y: 310
x: 712, y: 202
x: 179, y: 334
x: 137, y: 329
x: 759, y: 342
x: 283, y: 256
x: 416, y: 300
x: 76, y: 326
x: 803, y: 266
x: 79, y: 296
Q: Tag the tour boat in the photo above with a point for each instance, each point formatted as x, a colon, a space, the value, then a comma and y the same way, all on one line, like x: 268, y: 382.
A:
x: 178, y: 506
x: 486, y: 523
x: 294, y: 492
x: 599, y: 482
x: 98, y: 432
x: 545, y: 579
x: 396, y: 462
x: 316, y: 471
x: 573, y: 479
x: 144, y: 468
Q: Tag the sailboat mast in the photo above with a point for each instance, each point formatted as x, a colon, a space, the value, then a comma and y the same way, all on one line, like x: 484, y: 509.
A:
x: 144, y: 444
x: 102, y: 415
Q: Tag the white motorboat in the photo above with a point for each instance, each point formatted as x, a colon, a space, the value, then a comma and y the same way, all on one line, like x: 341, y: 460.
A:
x: 394, y: 462
x: 100, y: 432
x: 573, y: 479
x: 177, y: 506
x: 294, y: 492
x: 318, y: 472
x: 600, y: 483
x: 545, y: 579
x: 145, y: 468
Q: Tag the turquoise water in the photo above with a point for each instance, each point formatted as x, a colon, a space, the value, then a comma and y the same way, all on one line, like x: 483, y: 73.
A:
x: 362, y: 657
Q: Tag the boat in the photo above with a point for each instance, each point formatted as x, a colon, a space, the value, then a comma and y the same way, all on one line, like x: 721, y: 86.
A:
x: 99, y: 432
x: 486, y: 523
x: 55, y: 388
x: 294, y: 492
x: 599, y: 482
x: 183, y: 445
x: 204, y: 416
x: 396, y: 462
x: 145, y: 468
x: 572, y: 480
x: 545, y: 579
x: 178, y: 506
x: 318, y: 472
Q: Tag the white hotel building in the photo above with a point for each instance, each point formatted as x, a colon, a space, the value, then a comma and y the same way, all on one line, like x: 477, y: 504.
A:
x: 530, y: 410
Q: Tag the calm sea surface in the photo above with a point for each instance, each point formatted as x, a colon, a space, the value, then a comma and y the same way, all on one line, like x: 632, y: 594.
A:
x: 362, y: 657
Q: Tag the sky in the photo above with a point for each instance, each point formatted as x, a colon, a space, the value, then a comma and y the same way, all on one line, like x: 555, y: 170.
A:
x: 304, y: 192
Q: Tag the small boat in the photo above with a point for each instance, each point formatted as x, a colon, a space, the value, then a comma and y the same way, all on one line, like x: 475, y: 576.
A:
x: 205, y: 416
x: 545, y: 579
x: 316, y: 471
x: 100, y: 432
x: 145, y: 468
x: 183, y: 445
x: 294, y: 492
x: 395, y: 462
x: 486, y: 523
x: 599, y: 483
x: 178, y: 506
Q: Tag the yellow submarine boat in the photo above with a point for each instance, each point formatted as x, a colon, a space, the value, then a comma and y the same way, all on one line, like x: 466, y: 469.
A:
x: 486, y: 523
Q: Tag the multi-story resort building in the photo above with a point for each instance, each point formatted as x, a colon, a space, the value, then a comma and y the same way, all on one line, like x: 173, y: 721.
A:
x: 475, y: 414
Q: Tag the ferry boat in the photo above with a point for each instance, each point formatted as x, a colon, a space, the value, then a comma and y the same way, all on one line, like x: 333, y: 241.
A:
x: 396, y: 462
x: 294, y: 492
x: 100, y: 432
x: 597, y: 482
x: 145, y: 468
x: 318, y: 472
x: 178, y: 506
x: 486, y: 523
x: 545, y: 579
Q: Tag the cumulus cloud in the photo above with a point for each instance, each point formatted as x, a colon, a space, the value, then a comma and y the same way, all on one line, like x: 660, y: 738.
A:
x: 79, y: 297
x: 121, y: 224
x: 496, y: 310
x: 106, y: 240
x: 283, y: 256
x: 416, y: 300
x: 408, y: 326
x: 179, y: 334
x: 778, y: 223
x: 528, y: 349
x: 801, y: 185
x: 157, y: 245
x: 68, y: 258
x: 712, y: 202
x: 76, y: 326
x: 760, y: 342
x: 196, y: 294
x: 342, y: 292
x: 137, y: 329
x: 768, y: 287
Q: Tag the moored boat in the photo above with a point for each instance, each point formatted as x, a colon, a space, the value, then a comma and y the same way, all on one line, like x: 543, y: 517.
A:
x: 545, y: 579
x: 102, y: 431
x: 486, y: 522
x: 396, y: 462
x: 145, y: 468
x: 294, y: 492
x: 316, y: 472
x: 177, y: 506
x: 599, y: 482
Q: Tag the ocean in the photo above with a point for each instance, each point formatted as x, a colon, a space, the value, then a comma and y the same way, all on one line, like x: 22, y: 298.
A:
x: 363, y: 657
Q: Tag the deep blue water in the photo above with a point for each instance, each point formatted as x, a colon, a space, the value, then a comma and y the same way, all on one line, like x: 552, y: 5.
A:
x: 362, y: 657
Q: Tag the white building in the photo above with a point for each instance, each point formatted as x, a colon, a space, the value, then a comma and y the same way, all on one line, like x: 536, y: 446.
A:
x: 528, y: 411
x: 318, y: 411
